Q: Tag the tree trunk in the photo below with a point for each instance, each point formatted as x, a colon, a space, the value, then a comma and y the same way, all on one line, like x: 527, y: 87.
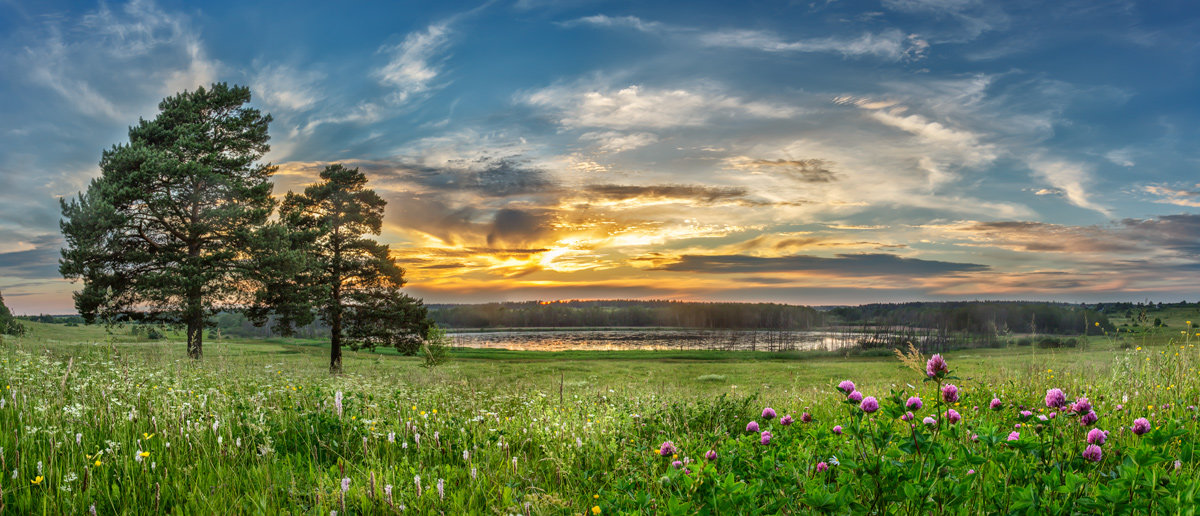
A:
x: 195, y: 333
x: 335, y: 342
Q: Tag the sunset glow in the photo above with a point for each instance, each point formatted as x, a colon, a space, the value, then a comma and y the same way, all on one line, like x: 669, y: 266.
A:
x: 816, y: 153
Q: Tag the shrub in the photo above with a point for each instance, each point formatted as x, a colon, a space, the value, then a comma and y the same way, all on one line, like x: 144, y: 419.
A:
x: 433, y: 351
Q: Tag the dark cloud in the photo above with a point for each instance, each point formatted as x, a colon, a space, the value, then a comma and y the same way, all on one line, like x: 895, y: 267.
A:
x: 40, y: 262
x: 1180, y: 233
x: 842, y: 264
x: 699, y: 193
x: 519, y: 227
x: 489, y: 177
x: 803, y: 170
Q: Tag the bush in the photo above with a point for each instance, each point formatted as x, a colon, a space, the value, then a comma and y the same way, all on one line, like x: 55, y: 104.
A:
x: 433, y: 351
x: 1057, y: 342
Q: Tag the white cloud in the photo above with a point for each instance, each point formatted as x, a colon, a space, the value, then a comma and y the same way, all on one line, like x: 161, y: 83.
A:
x: 1123, y: 157
x: 1070, y: 178
x: 638, y: 107
x: 114, y: 62
x: 1176, y: 196
x: 890, y: 44
x: 632, y: 22
x: 284, y: 87
x: 415, y: 62
x: 613, y: 141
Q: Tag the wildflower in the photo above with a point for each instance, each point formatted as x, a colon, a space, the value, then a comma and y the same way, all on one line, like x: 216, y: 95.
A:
x: 1055, y: 398
x: 806, y: 417
x: 869, y: 404
x: 936, y: 366
x: 441, y: 487
x: 97, y: 463
x: 855, y: 396
x: 78, y: 439
x: 1081, y: 406
x: 1026, y: 413
x: 711, y: 455
x: 595, y: 509
x: 473, y: 473
x: 141, y: 455
x: 766, y: 437
x: 929, y: 421
x: 1014, y: 436
x: 677, y: 464
x: 1141, y: 426
x: 913, y: 403
x: 752, y: 426
x: 668, y: 448
x: 768, y: 413
x: 952, y: 416
x: 949, y: 393
x: 995, y: 404
x: 837, y: 429
x: 1093, y: 453
x: 846, y: 386
x: 908, y: 416
x: 417, y: 481
x: 1097, y: 436
x: 387, y: 493
x: 1088, y: 418
x: 786, y: 420
x: 391, y: 437
x: 37, y: 480
x: 833, y: 461
x: 337, y: 403
x: 345, y: 485
x: 822, y: 467
x: 970, y: 471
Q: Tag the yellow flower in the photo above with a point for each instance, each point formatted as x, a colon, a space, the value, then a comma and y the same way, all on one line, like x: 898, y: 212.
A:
x: 596, y: 497
x: 435, y: 411
x: 144, y: 454
x: 414, y: 407
x: 422, y: 412
x: 97, y: 463
x: 595, y: 509
x: 147, y: 436
x: 39, y: 480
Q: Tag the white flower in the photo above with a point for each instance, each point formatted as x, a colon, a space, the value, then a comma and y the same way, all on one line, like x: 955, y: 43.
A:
x: 391, y: 437
x: 345, y: 484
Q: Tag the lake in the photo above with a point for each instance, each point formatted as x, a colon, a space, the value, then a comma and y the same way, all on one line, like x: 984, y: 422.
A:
x: 656, y: 339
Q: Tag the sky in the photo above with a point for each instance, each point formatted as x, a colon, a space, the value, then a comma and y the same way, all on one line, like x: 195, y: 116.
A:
x: 822, y: 152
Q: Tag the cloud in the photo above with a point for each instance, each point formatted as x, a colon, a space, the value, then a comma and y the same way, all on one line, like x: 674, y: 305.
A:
x: 802, y: 170
x: 1068, y: 177
x: 631, y: 22
x: 1174, y: 195
x: 415, y: 62
x: 639, y: 107
x: 687, y: 193
x: 501, y: 177
x: 286, y: 88
x: 840, y: 265
x: 116, y: 63
x: 890, y: 44
x: 37, y: 260
x: 613, y: 141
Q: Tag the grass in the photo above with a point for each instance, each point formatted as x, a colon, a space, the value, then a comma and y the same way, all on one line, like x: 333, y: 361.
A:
x: 253, y: 428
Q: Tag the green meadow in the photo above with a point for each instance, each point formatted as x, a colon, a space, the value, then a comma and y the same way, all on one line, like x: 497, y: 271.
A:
x: 104, y: 422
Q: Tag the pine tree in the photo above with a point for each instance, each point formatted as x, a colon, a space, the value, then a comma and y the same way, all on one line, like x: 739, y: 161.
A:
x: 171, y: 229
x: 357, y: 282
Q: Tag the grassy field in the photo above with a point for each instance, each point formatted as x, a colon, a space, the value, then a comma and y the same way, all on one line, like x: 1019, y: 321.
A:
x: 129, y: 426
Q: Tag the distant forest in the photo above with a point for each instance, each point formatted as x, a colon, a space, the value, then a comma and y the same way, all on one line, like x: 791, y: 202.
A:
x: 984, y: 317
x: 679, y: 314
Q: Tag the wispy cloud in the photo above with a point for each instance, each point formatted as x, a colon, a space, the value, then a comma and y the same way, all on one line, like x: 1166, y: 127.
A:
x: 1072, y: 179
x: 1189, y: 197
x: 415, y: 63
x: 890, y: 44
x: 636, y: 106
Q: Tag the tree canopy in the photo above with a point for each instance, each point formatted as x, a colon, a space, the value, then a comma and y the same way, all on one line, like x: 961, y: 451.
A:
x: 350, y: 278
x: 174, y: 227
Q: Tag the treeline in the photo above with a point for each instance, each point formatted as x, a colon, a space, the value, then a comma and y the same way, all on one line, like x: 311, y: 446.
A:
x: 612, y: 313
x: 983, y: 317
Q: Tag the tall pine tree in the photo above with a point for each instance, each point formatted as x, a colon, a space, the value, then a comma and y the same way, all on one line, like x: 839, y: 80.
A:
x: 172, y: 229
x: 355, y: 283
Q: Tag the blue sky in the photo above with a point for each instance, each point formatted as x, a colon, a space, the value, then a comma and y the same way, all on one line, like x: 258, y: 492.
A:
x: 809, y: 152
